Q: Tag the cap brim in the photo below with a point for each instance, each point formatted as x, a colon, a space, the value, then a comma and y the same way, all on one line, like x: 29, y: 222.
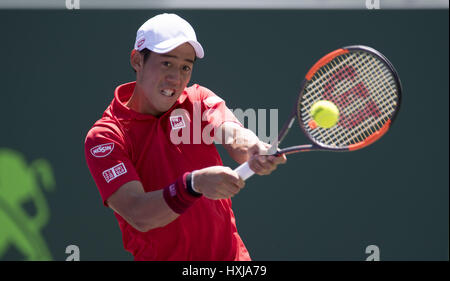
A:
x: 167, y: 46
x: 198, y: 49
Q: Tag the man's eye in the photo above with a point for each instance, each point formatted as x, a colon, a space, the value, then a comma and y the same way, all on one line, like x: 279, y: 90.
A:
x: 166, y: 63
x: 186, y: 68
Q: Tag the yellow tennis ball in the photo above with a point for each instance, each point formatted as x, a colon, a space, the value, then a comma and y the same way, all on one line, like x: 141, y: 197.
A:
x: 325, y: 113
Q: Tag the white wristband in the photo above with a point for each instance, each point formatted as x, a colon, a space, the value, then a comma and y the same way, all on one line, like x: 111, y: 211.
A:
x: 192, y: 182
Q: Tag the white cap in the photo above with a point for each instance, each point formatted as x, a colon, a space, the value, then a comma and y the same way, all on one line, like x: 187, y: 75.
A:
x: 163, y: 33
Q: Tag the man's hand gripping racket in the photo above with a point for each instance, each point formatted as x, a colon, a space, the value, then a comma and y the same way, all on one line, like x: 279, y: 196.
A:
x: 363, y: 85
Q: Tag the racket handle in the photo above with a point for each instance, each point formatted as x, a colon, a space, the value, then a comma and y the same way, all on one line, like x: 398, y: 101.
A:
x: 244, y: 171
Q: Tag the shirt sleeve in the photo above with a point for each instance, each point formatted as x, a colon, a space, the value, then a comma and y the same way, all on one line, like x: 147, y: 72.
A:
x: 108, y: 160
x: 216, y: 112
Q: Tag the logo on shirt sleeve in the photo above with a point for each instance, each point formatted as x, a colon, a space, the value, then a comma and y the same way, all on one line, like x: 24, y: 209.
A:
x: 177, y: 122
x: 102, y: 150
x: 114, y: 172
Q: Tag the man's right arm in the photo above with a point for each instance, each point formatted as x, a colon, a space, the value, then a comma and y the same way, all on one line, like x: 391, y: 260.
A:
x: 142, y: 210
x: 121, y: 189
x: 148, y: 210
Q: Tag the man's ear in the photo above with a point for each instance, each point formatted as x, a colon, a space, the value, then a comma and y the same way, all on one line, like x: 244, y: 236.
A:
x: 136, y: 60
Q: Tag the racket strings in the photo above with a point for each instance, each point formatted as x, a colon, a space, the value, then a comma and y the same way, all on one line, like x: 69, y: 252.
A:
x: 363, y: 131
x: 352, y: 119
x: 365, y: 92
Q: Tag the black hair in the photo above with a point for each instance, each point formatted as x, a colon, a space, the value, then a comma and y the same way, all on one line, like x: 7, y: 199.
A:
x: 146, y: 53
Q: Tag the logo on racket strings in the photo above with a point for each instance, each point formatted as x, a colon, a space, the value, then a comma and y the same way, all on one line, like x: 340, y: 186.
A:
x: 347, y: 98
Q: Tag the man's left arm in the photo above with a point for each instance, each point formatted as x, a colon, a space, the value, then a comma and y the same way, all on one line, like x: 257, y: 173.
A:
x: 243, y: 145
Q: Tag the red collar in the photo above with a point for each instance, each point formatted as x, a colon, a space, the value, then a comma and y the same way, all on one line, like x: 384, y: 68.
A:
x: 123, y: 93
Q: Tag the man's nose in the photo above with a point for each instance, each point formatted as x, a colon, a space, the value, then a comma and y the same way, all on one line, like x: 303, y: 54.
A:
x: 174, y: 77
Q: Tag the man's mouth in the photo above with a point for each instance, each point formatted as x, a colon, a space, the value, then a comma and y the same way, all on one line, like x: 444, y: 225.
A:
x: 168, y: 92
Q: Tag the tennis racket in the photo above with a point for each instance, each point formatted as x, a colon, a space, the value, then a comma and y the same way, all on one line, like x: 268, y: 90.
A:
x: 364, y: 86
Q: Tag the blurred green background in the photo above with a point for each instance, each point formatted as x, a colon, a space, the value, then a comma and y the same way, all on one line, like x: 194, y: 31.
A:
x: 58, y: 73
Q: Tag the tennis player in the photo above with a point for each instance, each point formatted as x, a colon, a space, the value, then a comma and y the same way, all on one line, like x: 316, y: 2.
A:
x: 171, y: 198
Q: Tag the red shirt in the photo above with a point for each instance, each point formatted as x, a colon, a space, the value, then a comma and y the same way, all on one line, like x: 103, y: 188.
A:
x: 125, y: 145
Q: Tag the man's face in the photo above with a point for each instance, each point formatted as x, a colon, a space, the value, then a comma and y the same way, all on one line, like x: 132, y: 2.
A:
x: 163, y: 78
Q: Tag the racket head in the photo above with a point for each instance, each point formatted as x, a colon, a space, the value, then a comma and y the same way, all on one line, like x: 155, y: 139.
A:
x: 365, y: 87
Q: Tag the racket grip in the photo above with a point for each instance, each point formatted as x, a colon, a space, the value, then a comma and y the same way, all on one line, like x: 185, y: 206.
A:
x: 244, y: 171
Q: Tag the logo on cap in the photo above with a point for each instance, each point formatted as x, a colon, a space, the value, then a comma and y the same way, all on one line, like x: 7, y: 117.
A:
x: 102, y: 150
x: 177, y: 122
x: 140, y: 42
